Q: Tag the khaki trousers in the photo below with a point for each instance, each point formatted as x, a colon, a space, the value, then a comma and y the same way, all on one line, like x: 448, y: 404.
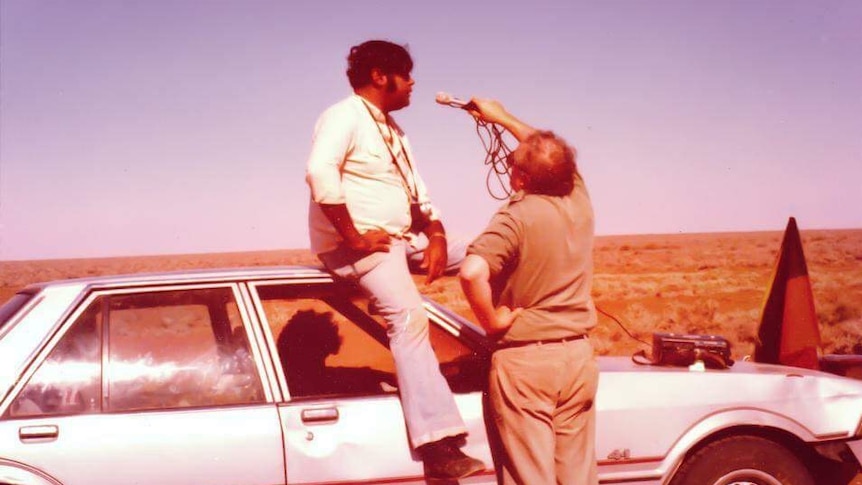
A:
x: 542, y: 403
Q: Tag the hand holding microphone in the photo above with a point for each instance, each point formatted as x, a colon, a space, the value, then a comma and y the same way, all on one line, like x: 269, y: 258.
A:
x: 486, y: 110
x: 449, y: 100
x: 487, y: 113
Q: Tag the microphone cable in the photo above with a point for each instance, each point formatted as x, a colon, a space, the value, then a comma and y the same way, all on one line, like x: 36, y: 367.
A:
x: 638, y: 357
x: 496, y: 159
x: 612, y: 317
x: 497, y: 151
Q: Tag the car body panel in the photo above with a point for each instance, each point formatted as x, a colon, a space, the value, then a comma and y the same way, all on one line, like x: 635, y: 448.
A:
x: 648, y: 417
x: 354, y: 437
x: 637, y: 427
x: 204, y: 446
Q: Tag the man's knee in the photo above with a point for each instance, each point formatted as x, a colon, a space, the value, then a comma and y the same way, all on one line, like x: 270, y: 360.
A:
x: 409, y: 326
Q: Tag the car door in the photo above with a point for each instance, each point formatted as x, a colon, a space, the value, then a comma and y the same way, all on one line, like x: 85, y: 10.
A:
x: 343, y: 421
x: 149, y: 386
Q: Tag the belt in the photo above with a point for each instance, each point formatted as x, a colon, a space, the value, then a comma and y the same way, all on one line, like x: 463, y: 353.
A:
x: 524, y: 343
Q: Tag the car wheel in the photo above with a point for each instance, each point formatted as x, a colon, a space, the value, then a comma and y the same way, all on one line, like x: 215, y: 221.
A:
x: 743, y: 460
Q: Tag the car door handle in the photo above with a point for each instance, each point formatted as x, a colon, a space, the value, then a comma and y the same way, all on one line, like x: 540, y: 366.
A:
x: 38, y: 432
x: 319, y: 415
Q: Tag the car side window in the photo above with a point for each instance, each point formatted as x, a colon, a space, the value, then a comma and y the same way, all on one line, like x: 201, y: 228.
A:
x: 149, y: 350
x: 329, y: 344
x: 178, y: 349
x: 69, y: 380
x: 322, y: 345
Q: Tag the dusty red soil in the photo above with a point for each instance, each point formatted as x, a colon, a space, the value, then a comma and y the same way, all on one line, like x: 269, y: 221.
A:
x: 687, y: 283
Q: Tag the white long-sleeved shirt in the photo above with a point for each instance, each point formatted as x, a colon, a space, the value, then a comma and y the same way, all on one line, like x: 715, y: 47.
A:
x: 351, y: 164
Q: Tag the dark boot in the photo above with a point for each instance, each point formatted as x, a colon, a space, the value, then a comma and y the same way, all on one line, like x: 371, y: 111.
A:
x: 444, y: 460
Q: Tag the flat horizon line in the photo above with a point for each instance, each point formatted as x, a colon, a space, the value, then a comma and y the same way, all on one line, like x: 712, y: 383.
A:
x: 803, y: 232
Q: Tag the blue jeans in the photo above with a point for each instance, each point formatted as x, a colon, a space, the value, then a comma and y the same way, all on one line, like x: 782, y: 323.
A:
x: 429, y: 406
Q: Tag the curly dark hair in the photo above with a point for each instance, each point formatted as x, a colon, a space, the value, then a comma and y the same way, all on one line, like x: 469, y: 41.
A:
x: 390, y: 58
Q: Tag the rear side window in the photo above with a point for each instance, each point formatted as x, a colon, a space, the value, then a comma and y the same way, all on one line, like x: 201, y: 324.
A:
x: 148, y: 350
x: 329, y: 344
x: 12, y: 306
x: 326, y: 344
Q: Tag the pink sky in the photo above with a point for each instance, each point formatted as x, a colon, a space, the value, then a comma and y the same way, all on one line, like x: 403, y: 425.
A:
x: 159, y: 127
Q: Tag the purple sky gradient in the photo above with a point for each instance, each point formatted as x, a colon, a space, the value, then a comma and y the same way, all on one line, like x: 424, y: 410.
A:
x: 153, y: 127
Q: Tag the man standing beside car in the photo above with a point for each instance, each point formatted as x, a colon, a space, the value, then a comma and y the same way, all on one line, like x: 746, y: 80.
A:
x: 528, y: 279
x: 367, y: 201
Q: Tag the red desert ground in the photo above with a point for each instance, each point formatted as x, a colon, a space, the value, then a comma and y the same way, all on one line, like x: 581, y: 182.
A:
x: 711, y: 283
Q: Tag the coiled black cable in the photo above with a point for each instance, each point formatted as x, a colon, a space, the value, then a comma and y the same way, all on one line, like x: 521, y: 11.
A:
x: 496, y: 158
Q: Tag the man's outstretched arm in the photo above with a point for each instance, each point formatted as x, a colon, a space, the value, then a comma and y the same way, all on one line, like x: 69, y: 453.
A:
x: 493, y: 111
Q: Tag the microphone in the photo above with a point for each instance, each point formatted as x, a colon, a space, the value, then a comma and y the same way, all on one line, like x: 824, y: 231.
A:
x: 449, y: 100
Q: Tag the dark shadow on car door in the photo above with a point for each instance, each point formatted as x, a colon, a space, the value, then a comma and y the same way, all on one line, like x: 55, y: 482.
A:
x: 343, y: 421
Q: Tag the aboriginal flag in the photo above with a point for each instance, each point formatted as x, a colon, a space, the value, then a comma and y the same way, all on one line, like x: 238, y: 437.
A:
x: 789, y: 332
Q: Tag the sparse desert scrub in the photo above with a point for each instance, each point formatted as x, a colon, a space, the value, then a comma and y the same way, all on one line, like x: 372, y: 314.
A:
x: 683, y: 283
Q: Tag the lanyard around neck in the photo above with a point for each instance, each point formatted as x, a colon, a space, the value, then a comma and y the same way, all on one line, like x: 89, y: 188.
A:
x: 411, y: 189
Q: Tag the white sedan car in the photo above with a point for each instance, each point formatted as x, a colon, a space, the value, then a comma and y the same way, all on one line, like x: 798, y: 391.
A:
x: 281, y: 375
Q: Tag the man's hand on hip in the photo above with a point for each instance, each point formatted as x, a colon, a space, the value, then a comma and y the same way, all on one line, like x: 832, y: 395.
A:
x: 375, y: 240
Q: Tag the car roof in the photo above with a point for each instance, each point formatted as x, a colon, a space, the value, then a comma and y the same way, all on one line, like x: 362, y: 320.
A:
x: 189, y: 276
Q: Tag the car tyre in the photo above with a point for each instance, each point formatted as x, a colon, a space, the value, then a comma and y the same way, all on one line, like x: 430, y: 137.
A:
x: 743, y: 460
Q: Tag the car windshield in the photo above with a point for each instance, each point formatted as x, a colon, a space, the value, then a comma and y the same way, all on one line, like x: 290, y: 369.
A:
x: 12, y: 306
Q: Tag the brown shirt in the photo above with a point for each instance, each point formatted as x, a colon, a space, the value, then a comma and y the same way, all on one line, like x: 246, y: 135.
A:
x: 540, y: 252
